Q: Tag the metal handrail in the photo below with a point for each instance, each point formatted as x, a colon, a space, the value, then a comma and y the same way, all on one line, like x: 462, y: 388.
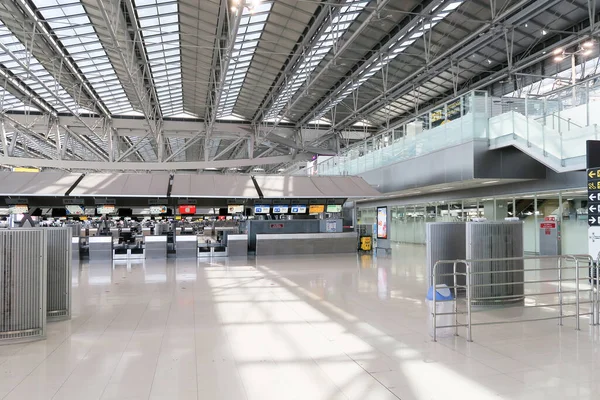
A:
x: 576, y: 258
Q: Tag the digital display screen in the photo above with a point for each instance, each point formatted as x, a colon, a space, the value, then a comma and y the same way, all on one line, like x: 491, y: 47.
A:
x: 155, y: 210
x: 298, y: 209
x: 334, y: 208
x: 381, y: 222
x: 237, y: 209
x: 262, y: 209
x: 18, y: 209
x: 187, y: 209
x: 75, y: 210
x: 316, y: 208
x: 106, y: 209
x: 280, y: 209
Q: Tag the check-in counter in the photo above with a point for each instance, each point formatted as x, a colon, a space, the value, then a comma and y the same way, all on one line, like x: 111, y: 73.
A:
x: 305, y: 243
x: 212, y: 249
x: 156, y: 246
x: 237, y: 245
x: 186, y: 246
x: 101, y: 247
x: 75, y: 247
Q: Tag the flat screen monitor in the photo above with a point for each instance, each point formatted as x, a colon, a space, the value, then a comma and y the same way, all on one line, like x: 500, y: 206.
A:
x: 298, y: 209
x: 187, y: 209
x: 316, y: 208
x: 106, y: 209
x: 382, y: 223
x: 262, y: 209
x: 334, y: 208
x: 18, y: 209
x: 280, y: 209
x: 75, y: 210
x: 235, y: 209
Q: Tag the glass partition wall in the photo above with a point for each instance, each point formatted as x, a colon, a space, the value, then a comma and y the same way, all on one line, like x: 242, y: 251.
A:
x: 567, y: 207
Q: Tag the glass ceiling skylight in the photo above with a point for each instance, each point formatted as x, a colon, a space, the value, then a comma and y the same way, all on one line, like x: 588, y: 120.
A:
x: 44, y: 84
x: 336, y: 28
x: 159, y: 22
x: 248, y: 34
x: 9, y: 102
x: 74, y: 30
x: 393, y: 51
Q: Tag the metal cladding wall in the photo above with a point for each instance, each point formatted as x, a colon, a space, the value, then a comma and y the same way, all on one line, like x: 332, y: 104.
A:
x: 496, y: 240
x: 59, y: 273
x: 445, y: 241
x: 23, y: 284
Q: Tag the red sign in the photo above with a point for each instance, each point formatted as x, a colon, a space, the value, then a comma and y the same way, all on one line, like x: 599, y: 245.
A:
x: 276, y: 226
x: 190, y: 209
x: 550, y: 218
x: 548, y: 225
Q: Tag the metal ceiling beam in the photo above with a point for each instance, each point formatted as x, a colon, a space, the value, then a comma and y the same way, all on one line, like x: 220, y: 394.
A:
x: 409, y: 22
x: 502, y: 74
x: 311, y: 80
x: 310, y: 35
x: 228, y: 148
x: 115, y: 22
x: 224, y: 60
x: 145, y: 166
x: 48, y: 89
x: 31, y: 30
x: 516, y: 15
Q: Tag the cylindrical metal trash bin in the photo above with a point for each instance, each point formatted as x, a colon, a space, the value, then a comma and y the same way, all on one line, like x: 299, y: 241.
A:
x: 23, y: 285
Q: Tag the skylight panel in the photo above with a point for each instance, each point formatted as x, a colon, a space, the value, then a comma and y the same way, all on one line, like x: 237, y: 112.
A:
x: 333, y: 32
x: 159, y: 22
x: 394, y: 50
x: 246, y: 40
x: 44, y: 84
x: 74, y: 30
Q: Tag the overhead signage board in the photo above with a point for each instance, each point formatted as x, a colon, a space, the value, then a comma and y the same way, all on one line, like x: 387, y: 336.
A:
x: 235, y: 209
x: 155, y: 210
x: 593, y: 181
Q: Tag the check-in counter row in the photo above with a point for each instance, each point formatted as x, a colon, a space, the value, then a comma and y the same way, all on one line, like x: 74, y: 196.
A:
x: 305, y: 243
x: 187, y: 246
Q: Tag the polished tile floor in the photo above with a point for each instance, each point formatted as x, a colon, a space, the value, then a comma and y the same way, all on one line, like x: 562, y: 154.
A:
x: 329, y: 327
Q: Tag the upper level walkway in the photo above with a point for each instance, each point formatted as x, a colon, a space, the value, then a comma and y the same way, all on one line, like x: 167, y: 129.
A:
x: 551, y: 128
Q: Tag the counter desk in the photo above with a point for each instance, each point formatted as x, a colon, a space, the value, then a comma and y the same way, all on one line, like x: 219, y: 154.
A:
x: 305, y: 243
x: 186, y: 246
x: 101, y: 247
x: 155, y: 246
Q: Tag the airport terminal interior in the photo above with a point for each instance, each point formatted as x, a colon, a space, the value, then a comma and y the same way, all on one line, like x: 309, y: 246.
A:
x: 299, y: 199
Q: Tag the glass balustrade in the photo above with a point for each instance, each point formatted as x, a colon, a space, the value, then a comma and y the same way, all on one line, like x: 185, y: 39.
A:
x: 552, y: 127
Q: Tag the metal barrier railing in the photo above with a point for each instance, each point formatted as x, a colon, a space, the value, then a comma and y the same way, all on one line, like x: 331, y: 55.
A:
x: 469, y: 287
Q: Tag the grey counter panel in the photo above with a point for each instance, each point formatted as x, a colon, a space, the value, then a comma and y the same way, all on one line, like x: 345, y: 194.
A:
x: 237, y: 245
x: 323, y: 243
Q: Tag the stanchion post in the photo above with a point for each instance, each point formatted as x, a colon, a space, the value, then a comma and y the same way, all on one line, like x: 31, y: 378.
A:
x: 468, y: 268
x: 434, y: 303
x: 576, y: 294
x: 560, y: 296
x: 455, y: 301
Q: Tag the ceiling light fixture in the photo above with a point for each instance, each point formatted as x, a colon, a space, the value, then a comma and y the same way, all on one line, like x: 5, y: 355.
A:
x: 559, y: 58
x: 589, y: 43
x: 489, y: 61
x: 557, y: 51
x: 544, y: 33
x: 587, y: 52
